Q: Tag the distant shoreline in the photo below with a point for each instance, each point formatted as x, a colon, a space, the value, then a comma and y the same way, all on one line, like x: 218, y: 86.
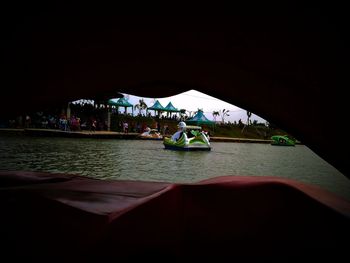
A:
x: 110, y: 135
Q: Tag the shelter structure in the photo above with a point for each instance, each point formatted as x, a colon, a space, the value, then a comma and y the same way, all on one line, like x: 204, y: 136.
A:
x: 199, y: 119
x: 157, y: 107
x: 170, y: 109
x: 122, y: 102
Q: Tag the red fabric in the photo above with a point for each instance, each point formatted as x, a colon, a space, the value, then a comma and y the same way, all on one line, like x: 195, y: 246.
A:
x: 248, y: 217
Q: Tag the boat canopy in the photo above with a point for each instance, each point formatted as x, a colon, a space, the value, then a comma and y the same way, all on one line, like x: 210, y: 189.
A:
x: 192, y: 127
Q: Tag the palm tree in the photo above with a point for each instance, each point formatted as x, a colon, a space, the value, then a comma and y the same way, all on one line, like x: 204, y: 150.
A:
x: 224, y: 114
x: 190, y: 113
x: 249, y: 114
x: 215, y: 114
x: 182, y: 114
x: 141, y: 106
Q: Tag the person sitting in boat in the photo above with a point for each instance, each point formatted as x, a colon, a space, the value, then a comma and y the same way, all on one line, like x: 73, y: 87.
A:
x: 181, y: 128
x: 146, y: 131
x: 207, y: 134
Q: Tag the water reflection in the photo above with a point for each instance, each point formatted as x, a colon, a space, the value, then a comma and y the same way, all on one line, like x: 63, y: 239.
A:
x: 149, y: 161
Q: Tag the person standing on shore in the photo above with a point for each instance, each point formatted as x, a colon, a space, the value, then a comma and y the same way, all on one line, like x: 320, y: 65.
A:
x: 93, y: 125
x: 126, y: 127
x: 27, y: 122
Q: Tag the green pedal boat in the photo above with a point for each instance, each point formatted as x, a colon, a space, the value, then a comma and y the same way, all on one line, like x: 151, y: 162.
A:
x: 193, y: 139
x: 282, y: 140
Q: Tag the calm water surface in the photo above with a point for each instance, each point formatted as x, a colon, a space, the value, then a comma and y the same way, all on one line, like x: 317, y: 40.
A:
x: 149, y: 161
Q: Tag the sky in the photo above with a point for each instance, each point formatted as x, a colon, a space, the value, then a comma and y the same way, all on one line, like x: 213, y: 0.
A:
x: 193, y: 100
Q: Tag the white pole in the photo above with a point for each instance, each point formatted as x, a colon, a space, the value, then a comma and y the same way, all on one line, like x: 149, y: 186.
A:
x: 109, y: 119
x: 68, y: 111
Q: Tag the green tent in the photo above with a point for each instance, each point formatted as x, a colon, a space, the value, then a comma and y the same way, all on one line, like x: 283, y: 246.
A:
x: 199, y: 119
x: 122, y: 102
x: 156, y: 107
x: 170, y: 108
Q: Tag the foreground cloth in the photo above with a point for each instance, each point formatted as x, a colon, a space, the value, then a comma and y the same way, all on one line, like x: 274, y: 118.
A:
x: 53, y: 216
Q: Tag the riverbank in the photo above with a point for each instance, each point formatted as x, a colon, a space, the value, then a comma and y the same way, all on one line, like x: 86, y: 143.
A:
x: 71, y: 134
x: 108, y: 135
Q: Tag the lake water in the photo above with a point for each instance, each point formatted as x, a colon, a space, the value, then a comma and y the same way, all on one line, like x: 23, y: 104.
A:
x: 149, y: 161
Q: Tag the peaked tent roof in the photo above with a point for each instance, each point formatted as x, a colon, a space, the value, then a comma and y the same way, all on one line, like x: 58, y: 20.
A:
x: 156, y: 106
x: 111, y: 102
x: 124, y: 102
x: 171, y: 108
x: 121, y: 102
x: 199, y: 118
